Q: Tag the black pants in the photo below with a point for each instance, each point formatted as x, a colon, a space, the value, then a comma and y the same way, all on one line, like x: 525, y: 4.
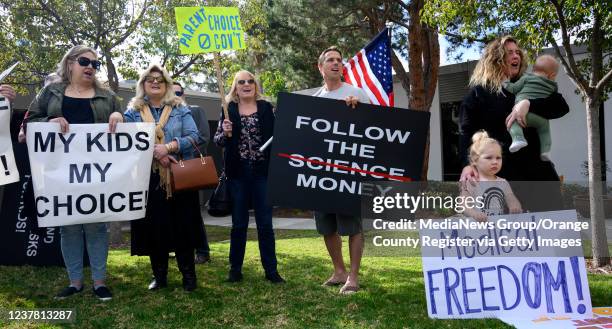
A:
x: 184, y: 260
x: 205, y: 249
x: 247, y: 189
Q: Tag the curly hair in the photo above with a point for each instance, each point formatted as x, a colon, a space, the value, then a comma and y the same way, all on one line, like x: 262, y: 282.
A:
x: 490, y: 72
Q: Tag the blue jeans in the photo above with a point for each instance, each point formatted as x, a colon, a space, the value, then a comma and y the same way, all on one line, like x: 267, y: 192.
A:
x: 74, y: 238
x: 246, y: 190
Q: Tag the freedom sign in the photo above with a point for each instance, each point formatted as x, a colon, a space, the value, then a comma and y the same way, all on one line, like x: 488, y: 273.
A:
x: 89, y: 175
x: 208, y: 29
x: 325, y: 154
x: 512, y: 274
x: 8, y: 167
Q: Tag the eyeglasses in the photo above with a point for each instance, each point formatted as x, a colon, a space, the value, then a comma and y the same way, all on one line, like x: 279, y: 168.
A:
x: 250, y: 81
x: 84, y: 61
x: 178, y: 93
x: 151, y: 79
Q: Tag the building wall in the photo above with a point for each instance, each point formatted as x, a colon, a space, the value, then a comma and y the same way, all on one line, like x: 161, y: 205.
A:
x: 434, y: 171
x: 569, y: 134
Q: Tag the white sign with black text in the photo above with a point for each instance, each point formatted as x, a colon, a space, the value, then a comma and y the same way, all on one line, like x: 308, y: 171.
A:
x: 89, y: 175
x: 8, y: 167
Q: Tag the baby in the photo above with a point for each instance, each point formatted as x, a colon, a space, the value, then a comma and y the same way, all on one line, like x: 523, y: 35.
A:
x: 539, y: 84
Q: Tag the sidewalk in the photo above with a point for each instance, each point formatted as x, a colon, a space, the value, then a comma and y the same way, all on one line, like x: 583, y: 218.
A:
x: 278, y: 223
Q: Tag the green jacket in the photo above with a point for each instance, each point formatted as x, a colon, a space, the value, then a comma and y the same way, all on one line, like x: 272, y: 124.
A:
x: 531, y: 86
x: 48, y: 104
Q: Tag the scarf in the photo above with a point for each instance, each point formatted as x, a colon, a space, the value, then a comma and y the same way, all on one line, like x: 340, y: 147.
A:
x: 164, y: 173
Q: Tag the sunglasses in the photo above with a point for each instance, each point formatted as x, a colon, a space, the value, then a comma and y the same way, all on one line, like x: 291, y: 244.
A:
x: 178, y: 93
x: 84, y: 61
x: 250, y: 81
x: 151, y: 79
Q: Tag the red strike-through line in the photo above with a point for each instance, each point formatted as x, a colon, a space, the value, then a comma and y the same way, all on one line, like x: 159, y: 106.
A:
x: 373, y: 173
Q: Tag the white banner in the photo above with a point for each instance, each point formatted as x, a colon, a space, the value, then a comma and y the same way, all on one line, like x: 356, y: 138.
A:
x: 89, y: 175
x: 8, y: 167
x: 523, y: 266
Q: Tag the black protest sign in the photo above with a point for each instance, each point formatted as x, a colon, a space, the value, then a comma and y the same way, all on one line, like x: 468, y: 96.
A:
x: 326, y: 155
x: 21, y: 240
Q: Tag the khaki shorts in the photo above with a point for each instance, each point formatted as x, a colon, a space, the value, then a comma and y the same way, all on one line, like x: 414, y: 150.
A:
x: 329, y: 223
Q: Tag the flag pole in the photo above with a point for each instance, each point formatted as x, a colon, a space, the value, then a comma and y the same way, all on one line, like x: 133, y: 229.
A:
x: 389, y: 26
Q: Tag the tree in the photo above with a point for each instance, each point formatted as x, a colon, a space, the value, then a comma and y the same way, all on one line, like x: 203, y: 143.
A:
x: 157, y: 41
x: 57, y: 25
x: 561, y: 24
x: 37, y: 53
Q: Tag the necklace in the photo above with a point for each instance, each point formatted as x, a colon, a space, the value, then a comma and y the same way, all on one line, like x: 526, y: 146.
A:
x: 75, y: 88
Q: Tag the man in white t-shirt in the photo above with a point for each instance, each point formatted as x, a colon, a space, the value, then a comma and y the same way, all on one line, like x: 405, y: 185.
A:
x: 330, y: 225
x: 330, y: 66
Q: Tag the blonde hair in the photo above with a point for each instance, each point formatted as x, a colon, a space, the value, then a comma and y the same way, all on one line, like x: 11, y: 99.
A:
x: 480, y: 140
x: 490, y: 72
x: 169, y: 98
x: 63, y: 67
x: 232, y: 95
x: 546, y: 63
x: 51, y: 78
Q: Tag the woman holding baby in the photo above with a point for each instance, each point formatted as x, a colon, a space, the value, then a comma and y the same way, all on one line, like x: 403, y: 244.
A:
x: 490, y: 107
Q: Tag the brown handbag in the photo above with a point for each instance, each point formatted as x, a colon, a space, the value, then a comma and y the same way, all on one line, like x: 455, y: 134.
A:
x: 195, y: 174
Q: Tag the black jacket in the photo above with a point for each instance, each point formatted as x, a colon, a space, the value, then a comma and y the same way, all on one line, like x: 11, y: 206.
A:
x: 483, y: 109
x: 266, y: 126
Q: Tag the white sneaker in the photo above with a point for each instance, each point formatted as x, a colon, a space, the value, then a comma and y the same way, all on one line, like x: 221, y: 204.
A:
x: 517, y: 145
x: 545, y: 156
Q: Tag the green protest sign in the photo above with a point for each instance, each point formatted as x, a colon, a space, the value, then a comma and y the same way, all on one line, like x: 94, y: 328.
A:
x: 208, y: 29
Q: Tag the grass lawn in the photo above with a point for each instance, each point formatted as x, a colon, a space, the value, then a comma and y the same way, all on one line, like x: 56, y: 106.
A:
x: 392, y: 294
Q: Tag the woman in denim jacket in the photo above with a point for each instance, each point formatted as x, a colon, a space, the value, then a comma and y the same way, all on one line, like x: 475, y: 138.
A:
x: 77, y: 97
x: 172, y: 222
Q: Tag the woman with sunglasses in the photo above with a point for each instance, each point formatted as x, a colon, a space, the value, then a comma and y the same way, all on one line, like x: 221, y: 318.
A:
x: 250, y: 122
x: 172, y: 221
x: 75, y: 97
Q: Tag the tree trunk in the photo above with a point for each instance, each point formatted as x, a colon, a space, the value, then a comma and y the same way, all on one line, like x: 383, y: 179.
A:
x: 415, y: 54
x: 601, y: 256
x: 113, y: 78
x: 425, y: 168
x: 424, y: 60
x: 116, y: 236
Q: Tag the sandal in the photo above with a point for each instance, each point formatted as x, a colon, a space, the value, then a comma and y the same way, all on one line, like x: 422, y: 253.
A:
x: 348, y: 290
x: 332, y: 283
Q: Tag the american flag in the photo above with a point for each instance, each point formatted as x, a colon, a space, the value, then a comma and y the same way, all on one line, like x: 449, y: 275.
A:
x: 370, y: 70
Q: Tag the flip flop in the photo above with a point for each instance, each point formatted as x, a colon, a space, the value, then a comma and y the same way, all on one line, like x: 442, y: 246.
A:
x: 332, y: 283
x: 348, y: 290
